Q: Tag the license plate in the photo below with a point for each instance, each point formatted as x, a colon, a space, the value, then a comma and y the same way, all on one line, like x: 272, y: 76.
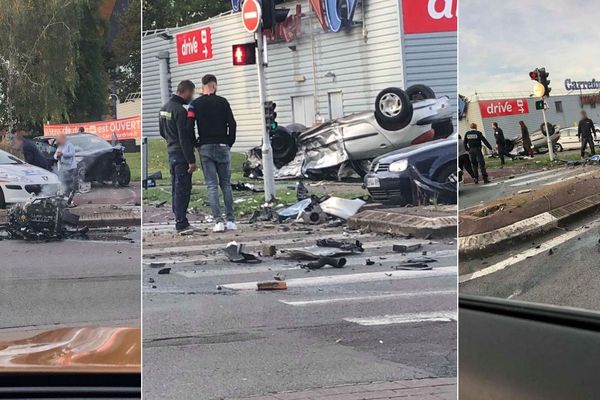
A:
x: 373, y: 182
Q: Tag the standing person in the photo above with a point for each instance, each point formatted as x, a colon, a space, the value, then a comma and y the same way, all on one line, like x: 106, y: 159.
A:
x: 31, y: 153
x: 500, y: 142
x: 586, y: 132
x: 526, y: 139
x: 179, y: 134
x: 67, y: 166
x: 473, y: 142
x: 216, y: 134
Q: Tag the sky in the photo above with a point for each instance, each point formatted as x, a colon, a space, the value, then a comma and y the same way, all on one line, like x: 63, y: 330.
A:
x: 500, y: 41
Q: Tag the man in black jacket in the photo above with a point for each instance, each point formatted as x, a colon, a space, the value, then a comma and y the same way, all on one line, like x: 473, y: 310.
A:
x: 176, y: 129
x: 216, y: 134
x: 586, y: 133
x: 500, y: 142
x: 31, y: 153
x: 473, y: 142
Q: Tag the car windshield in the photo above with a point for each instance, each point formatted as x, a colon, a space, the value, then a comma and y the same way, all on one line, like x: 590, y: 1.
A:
x: 7, y: 158
x: 88, y: 143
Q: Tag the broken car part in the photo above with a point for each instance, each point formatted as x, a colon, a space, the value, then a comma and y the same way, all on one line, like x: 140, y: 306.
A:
x: 354, y: 246
x: 341, y: 208
x: 323, y: 261
x: 234, y: 253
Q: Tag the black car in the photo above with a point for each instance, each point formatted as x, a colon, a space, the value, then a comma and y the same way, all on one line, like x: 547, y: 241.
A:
x: 390, y: 179
x: 97, y: 160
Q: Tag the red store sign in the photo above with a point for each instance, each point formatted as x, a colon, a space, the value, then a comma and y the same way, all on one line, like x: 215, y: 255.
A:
x: 427, y: 16
x: 501, y: 108
x: 193, y: 46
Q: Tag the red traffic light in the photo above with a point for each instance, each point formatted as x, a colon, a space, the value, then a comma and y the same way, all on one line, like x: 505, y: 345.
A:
x: 534, y: 75
x: 244, y: 54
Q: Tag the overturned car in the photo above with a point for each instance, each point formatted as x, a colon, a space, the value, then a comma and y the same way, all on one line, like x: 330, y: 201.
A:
x: 331, y: 149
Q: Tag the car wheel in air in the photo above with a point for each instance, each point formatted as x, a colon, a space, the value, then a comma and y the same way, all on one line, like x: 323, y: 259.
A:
x: 284, y: 146
x: 393, y: 109
x: 420, y: 92
x: 124, y: 176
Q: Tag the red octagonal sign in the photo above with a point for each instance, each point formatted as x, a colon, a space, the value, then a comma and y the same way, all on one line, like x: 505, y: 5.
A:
x: 251, y: 15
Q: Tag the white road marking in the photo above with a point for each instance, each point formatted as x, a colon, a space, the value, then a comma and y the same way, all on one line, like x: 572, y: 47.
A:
x: 436, y: 316
x: 525, y: 254
x: 351, y: 278
x: 302, y: 303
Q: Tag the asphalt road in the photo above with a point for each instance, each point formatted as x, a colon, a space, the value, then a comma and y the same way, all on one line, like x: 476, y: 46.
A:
x: 73, y: 282
x: 333, y: 326
x: 559, y: 268
x: 474, y: 195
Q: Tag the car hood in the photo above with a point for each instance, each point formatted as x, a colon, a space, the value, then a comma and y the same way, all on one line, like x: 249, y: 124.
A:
x: 79, y: 349
x: 410, y: 151
x: 28, y: 173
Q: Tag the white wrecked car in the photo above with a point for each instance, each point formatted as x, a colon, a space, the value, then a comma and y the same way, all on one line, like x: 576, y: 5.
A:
x: 401, y: 119
x: 20, y: 181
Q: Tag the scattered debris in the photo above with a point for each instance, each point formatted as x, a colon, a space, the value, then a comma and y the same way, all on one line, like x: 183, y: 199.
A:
x: 268, y: 250
x: 156, y: 264
x: 277, y: 285
x: 164, y: 271
x: 354, y: 246
x: 245, y: 187
x: 341, y: 208
x: 234, y: 253
x: 421, y: 260
x: 406, y: 248
x: 315, y: 252
x: 369, y: 262
x: 323, y: 261
x: 279, y: 277
x: 414, y: 267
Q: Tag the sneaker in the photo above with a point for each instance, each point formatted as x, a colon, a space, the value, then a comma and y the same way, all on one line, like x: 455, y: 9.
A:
x: 486, y: 180
x: 188, y: 230
x: 219, y: 227
x: 231, y: 226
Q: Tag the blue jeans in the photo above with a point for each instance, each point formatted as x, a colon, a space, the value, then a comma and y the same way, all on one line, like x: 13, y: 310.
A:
x: 216, y: 166
x: 181, y: 190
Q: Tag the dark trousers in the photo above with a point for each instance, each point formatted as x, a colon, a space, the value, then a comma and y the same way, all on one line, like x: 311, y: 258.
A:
x: 181, y: 190
x: 501, y: 152
x: 478, y: 161
x: 585, y: 140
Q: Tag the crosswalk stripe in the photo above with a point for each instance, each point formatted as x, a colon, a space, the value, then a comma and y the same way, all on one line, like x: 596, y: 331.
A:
x: 302, y: 303
x: 436, y: 316
x: 350, y: 278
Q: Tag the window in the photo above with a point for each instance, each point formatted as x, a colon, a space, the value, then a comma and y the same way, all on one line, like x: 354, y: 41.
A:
x: 559, y: 107
x: 336, y: 105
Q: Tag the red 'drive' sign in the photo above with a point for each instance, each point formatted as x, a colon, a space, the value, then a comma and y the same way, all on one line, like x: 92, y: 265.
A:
x: 426, y: 16
x: 500, y: 108
x: 251, y: 15
x: 194, y: 46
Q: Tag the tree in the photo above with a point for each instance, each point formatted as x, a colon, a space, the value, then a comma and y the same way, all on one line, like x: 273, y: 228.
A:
x: 38, y: 55
x: 160, y: 14
x: 126, y: 61
x: 90, y: 97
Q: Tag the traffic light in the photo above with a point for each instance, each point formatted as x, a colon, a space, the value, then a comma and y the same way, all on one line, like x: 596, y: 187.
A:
x: 270, y: 116
x: 244, y: 54
x: 545, y: 81
x: 272, y: 15
x: 540, y: 75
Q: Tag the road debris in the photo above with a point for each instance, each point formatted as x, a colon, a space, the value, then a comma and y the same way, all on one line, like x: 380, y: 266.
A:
x: 414, y: 267
x: 268, y: 250
x: 341, y: 208
x: 234, y: 253
x: 277, y: 285
x: 323, y: 261
x: 354, y: 246
x: 406, y: 248
x: 164, y: 271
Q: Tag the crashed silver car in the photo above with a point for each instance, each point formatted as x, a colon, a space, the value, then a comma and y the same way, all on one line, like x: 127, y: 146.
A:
x: 331, y: 149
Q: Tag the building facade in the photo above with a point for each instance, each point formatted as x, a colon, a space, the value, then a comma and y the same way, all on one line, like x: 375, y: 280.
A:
x: 317, y: 75
x: 563, y: 110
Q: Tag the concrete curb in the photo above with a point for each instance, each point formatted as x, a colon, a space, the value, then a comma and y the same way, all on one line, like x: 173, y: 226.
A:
x: 537, y: 224
x: 383, y: 221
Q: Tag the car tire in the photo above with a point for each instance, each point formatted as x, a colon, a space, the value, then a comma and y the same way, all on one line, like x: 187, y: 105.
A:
x: 393, y: 109
x: 446, y: 172
x: 2, y: 200
x: 443, y: 129
x: 284, y: 146
x: 558, y: 148
x: 124, y: 176
x: 420, y: 92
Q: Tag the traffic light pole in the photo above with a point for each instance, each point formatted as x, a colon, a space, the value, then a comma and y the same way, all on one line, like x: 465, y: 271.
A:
x: 267, y: 150
x: 549, y: 141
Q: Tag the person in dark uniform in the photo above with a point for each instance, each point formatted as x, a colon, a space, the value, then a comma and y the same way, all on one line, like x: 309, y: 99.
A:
x: 473, y: 142
x: 216, y: 134
x: 500, y: 142
x: 30, y: 152
x: 179, y: 134
x: 586, y: 132
x: 526, y: 139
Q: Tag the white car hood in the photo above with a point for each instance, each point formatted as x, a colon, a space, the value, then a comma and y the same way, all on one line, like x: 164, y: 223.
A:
x: 27, y: 174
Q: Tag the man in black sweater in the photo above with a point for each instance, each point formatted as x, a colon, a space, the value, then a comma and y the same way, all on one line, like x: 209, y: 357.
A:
x: 216, y: 134
x: 586, y: 132
x: 31, y: 153
x: 176, y: 129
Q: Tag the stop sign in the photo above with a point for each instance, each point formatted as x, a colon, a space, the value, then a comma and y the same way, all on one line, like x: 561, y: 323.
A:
x: 251, y: 15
